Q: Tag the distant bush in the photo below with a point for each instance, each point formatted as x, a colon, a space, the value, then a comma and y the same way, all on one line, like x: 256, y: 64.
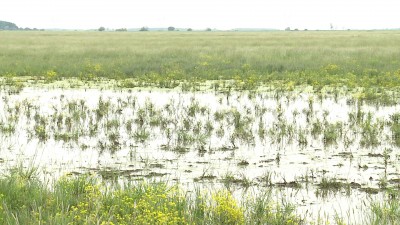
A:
x: 121, y: 30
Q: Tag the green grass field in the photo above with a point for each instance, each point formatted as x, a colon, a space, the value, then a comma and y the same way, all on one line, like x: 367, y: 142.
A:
x: 303, y: 57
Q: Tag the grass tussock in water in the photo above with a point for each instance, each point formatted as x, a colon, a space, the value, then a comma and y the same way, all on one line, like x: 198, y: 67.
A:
x: 86, y: 200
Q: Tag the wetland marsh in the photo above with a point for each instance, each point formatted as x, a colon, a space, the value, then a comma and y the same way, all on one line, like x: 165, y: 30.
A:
x: 206, y: 142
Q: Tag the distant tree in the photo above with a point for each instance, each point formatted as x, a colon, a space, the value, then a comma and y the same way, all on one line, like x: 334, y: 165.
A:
x: 287, y: 29
x: 144, y: 29
x: 4, y: 25
x: 171, y: 28
x: 208, y: 29
x: 190, y: 29
x: 102, y: 29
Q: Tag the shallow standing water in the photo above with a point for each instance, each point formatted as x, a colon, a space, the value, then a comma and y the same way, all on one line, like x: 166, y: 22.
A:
x: 248, y: 141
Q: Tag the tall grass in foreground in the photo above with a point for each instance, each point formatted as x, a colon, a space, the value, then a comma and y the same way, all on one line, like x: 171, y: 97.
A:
x: 387, y: 212
x: 86, y: 200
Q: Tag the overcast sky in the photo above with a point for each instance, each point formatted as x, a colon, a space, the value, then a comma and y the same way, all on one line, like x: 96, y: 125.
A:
x: 200, y: 14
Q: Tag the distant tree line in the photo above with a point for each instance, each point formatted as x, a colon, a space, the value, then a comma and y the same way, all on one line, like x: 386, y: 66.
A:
x: 170, y: 28
x: 4, y: 25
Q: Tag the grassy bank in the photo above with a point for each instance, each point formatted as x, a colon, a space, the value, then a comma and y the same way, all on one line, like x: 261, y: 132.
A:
x: 86, y: 200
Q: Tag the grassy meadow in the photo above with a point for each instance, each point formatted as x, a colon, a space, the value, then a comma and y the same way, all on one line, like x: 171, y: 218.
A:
x: 199, y: 127
x: 307, y: 57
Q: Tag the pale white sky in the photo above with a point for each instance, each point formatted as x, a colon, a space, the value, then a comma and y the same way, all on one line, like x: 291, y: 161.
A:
x: 200, y: 14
